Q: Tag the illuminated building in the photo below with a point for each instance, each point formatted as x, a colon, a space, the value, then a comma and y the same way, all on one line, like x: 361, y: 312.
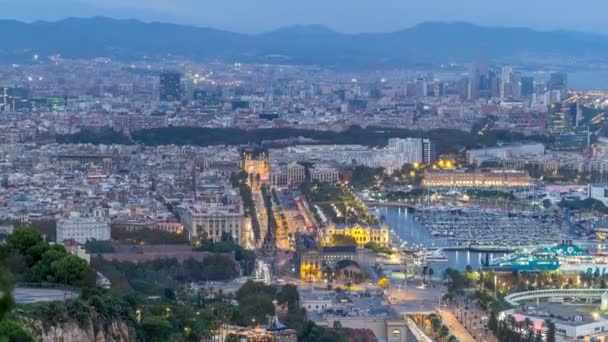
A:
x: 476, y: 179
x: 311, y: 264
x: 309, y: 257
x: 559, y: 123
x: 574, y: 140
x: 361, y: 233
x: 257, y: 166
x: 429, y: 151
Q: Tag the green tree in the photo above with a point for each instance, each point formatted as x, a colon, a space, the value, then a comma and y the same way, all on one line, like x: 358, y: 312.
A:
x: 550, y: 330
x: 156, y: 329
x: 493, y: 321
x: 444, y: 331
x: 11, y: 331
x: 42, y: 271
x: 22, y: 239
x: 538, y: 337
x: 289, y: 295
x: 69, y: 270
x: 343, y: 240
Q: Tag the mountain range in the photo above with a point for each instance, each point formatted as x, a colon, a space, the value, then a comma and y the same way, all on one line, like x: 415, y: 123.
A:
x: 424, y: 44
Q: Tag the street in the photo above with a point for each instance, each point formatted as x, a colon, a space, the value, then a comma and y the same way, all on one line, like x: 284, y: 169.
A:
x: 456, y: 329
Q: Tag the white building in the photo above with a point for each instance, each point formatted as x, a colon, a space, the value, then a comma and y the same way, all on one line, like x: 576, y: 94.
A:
x: 324, y: 174
x: 504, y: 152
x: 598, y: 192
x: 210, y: 220
x: 316, y: 300
x: 392, y: 157
x: 283, y: 175
x: 83, y: 229
x: 410, y: 149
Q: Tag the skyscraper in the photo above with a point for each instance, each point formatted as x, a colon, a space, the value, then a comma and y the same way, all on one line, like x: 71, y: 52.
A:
x: 493, y: 83
x: 573, y: 114
x: 420, y: 87
x: 559, y: 120
x: 558, y: 81
x: 478, y: 71
x: 465, y: 88
x: 505, y: 81
x: 527, y: 86
x: 429, y: 151
x: 516, y: 85
x: 170, y: 86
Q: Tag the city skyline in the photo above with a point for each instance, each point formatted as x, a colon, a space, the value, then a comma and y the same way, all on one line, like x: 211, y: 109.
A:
x: 358, y: 16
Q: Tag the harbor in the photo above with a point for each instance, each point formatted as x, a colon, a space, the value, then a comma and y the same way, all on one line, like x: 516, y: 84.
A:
x: 414, y: 236
x: 466, y: 226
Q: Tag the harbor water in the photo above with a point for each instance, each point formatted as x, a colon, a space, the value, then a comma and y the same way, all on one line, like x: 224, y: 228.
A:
x: 402, y: 223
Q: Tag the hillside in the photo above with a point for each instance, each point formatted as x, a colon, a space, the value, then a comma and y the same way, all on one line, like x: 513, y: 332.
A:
x: 427, y: 43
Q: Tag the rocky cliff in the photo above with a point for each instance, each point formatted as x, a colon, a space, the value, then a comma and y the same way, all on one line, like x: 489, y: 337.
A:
x: 73, y: 331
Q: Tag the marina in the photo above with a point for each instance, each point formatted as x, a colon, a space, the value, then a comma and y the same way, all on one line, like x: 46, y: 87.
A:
x: 414, y: 235
x: 479, y: 226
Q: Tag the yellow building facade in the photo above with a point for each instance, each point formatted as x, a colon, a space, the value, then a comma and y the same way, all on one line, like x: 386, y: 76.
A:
x: 361, y: 233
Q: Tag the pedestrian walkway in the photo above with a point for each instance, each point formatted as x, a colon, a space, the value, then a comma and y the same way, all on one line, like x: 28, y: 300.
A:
x: 455, y: 327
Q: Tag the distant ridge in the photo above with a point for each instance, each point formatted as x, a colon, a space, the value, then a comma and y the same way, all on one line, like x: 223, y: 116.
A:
x: 423, y: 44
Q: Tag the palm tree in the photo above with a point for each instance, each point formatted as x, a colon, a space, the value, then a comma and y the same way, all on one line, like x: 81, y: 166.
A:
x: 528, y: 323
x: 511, y: 322
x: 550, y: 330
x: 435, y: 324
x: 515, y: 275
x: 444, y: 332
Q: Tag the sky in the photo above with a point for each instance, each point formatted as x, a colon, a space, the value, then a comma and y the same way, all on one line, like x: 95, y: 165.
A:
x: 350, y: 16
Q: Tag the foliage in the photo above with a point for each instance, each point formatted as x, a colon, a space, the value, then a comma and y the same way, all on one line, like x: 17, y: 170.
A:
x: 105, y: 136
x: 44, y: 263
x: 334, y: 199
x: 365, y: 177
x: 13, y: 332
x: 490, y: 194
x: 153, y: 276
x: 270, y: 237
x: 97, y: 247
x: 239, y: 180
x: 586, y: 204
x: 448, y: 140
x: 456, y: 281
x: 376, y: 248
x: 245, y: 257
x: 156, y: 328
x: 255, y: 301
x: 343, y: 240
x: 289, y: 295
x: 148, y: 236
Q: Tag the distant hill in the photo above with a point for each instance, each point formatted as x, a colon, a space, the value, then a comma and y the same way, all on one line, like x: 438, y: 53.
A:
x: 424, y: 44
